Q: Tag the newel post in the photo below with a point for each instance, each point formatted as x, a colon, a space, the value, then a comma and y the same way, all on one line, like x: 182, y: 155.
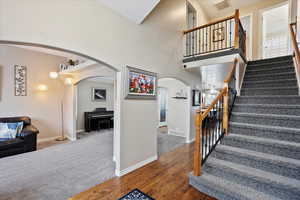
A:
x: 225, y: 107
x: 198, y: 148
x: 236, y: 28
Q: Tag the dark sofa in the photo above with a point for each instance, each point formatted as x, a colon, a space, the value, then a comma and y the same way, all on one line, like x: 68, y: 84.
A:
x: 25, y: 141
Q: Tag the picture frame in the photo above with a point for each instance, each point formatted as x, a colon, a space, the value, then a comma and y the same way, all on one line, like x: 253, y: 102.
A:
x: 196, y: 98
x: 218, y: 34
x: 20, y: 79
x: 98, y: 94
x: 140, y: 84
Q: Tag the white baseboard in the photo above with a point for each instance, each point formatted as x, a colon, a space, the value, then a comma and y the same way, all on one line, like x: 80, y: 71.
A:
x: 47, y: 139
x: 80, y: 131
x: 136, y: 166
x: 190, y: 141
x: 176, y: 133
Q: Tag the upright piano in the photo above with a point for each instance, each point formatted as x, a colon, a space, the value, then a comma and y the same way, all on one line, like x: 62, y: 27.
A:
x: 91, y: 119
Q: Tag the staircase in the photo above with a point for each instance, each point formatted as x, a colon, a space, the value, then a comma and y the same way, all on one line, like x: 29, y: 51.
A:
x: 260, y: 159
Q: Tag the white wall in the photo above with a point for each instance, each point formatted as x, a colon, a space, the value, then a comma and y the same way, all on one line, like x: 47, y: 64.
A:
x: 42, y: 107
x: 178, y: 109
x: 97, y: 31
x: 85, y: 102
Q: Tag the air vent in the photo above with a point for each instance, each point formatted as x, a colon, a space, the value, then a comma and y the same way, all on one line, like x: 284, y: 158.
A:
x: 222, y: 5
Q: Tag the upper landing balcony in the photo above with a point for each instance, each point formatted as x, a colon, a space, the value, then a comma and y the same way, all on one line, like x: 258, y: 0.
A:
x: 215, y: 43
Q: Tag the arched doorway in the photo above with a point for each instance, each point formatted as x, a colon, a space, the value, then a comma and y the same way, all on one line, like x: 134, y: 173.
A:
x: 67, y: 153
x: 174, y: 114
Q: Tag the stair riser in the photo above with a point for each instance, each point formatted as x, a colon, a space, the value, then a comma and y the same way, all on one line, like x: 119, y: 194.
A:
x: 212, y: 191
x: 270, y: 66
x: 267, y: 61
x: 288, y: 152
x: 269, y: 121
x: 271, y: 71
x: 267, y: 110
x: 258, y: 184
x: 269, y: 100
x: 266, y: 133
x: 254, y: 92
x: 267, y: 78
x: 270, y: 85
x: 281, y: 168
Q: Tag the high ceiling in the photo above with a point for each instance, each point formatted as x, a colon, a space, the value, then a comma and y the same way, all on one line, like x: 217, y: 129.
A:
x: 135, y: 10
x: 214, y: 12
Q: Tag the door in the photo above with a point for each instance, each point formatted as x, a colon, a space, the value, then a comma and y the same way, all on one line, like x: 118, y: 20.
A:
x: 247, y: 25
x: 275, y: 32
x: 191, y: 16
x: 163, y: 106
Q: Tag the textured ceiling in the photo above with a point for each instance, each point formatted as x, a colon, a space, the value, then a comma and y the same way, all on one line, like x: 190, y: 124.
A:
x: 214, y: 12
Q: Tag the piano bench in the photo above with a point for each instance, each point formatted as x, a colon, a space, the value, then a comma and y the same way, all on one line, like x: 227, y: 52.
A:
x: 104, y: 124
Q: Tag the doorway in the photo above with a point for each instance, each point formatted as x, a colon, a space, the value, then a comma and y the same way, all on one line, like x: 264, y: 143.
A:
x: 191, y: 16
x: 163, y: 107
x: 275, y: 31
x: 247, y: 25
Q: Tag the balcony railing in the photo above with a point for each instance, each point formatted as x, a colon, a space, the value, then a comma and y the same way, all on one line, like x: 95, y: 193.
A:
x: 224, y: 34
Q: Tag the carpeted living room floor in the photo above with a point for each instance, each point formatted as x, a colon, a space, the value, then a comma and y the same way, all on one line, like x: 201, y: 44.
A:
x: 61, y: 171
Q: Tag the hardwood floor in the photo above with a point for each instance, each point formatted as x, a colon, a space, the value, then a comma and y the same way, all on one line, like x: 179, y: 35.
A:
x: 164, y: 179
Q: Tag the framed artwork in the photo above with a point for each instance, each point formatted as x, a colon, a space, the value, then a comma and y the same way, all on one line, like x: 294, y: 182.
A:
x: 140, y: 84
x: 196, y: 97
x: 20, y: 80
x: 98, y: 94
x: 218, y: 34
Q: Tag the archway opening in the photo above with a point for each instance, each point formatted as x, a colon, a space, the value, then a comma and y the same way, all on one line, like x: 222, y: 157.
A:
x: 174, y: 101
x: 53, y: 76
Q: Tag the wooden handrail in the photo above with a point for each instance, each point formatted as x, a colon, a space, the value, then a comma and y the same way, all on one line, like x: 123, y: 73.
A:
x: 296, y: 48
x: 236, y: 28
x: 215, y: 101
x: 230, y: 75
x: 209, y: 24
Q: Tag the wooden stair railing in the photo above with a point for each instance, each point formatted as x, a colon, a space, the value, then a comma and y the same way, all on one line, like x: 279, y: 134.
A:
x: 223, y: 34
x: 296, y: 51
x: 213, y: 123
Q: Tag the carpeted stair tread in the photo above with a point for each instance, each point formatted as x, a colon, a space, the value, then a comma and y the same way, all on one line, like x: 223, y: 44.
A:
x: 255, y: 178
x: 270, y: 83
x: 267, y: 75
x: 275, y: 128
x: 260, y: 155
x: 276, y: 60
x: 287, y: 106
x: 281, y: 109
x: 268, y: 162
x: 269, y: 99
x: 273, y: 116
x: 226, y: 190
x: 271, y: 70
x: 258, y: 140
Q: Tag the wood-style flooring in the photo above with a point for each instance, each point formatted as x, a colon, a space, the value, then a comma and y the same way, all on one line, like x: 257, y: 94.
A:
x: 164, y: 179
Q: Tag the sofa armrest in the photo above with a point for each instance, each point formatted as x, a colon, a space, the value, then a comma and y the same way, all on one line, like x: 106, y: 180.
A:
x: 28, y: 130
x: 29, y: 135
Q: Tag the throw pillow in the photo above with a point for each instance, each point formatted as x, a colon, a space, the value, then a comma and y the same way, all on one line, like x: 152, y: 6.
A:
x: 9, y: 131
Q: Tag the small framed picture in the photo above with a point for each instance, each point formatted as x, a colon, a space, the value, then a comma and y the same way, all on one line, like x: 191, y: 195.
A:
x: 140, y: 84
x: 98, y: 94
x: 218, y: 34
